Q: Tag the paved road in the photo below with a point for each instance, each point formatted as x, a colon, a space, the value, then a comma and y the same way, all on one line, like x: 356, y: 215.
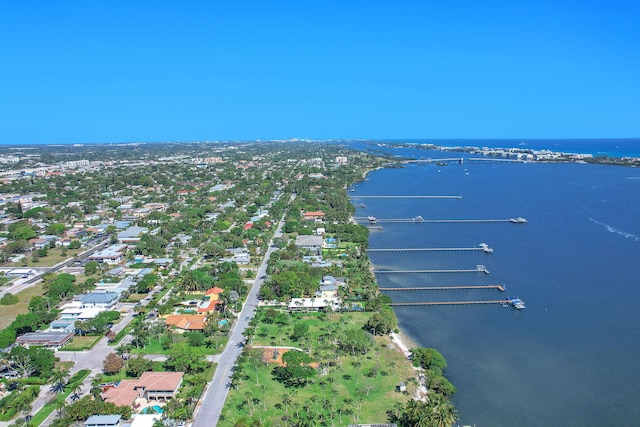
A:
x: 89, y: 359
x: 22, y: 284
x: 209, y: 408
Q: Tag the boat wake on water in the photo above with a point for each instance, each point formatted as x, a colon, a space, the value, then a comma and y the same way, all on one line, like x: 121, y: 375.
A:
x: 611, y: 229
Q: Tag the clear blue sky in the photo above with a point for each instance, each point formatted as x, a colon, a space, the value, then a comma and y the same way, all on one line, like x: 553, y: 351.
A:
x: 118, y: 71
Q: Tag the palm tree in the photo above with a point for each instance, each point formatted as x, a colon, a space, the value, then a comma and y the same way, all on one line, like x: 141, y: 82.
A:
x: 61, y: 409
x: 124, y: 351
x: 76, y: 393
x: 58, y: 380
x: 443, y: 414
x: 95, y: 392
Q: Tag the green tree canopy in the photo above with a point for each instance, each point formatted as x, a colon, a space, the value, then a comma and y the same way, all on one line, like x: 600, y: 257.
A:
x: 356, y: 340
x: 297, y: 372
x: 428, y: 358
x: 183, y: 358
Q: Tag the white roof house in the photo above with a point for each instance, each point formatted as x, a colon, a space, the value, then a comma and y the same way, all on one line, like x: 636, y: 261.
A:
x: 103, y: 421
x: 314, y: 303
x: 132, y: 234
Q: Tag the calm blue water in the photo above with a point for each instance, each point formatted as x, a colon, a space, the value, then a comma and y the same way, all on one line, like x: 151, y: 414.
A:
x: 570, y: 358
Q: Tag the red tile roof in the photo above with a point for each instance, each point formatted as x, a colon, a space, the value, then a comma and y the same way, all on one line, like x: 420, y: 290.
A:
x: 122, y: 395
x: 188, y: 322
x: 127, y: 391
x: 215, y: 291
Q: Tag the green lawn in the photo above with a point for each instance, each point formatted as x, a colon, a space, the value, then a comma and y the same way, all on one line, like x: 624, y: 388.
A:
x: 65, y: 366
x: 154, y: 346
x: 8, y: 313
x: 374, y: 376
x: 79, y: 343
x: 54, y: 256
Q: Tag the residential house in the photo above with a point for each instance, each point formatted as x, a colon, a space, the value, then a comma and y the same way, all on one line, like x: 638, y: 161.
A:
x: 311, y: 243
x: 104, y: 300
x: 210, y: 301
x: 113, y: 255
x: 38, y: 243
x: 103, y: 421
x: 49, y: 339
x: 327, y: 291
x: 186, y: 322
x: 160, y: 386
x: 314, y: 304
x: 313, y: 216
x: 132, y: 234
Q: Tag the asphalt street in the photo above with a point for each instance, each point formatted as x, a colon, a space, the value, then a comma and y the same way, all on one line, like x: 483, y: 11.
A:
x: 210, y: 406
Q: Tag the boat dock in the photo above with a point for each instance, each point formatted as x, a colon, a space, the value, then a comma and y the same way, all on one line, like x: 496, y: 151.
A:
x: 476, y: 302
x: 481, y: 247
x: 420, y: 220
x: 479, y: 269
x: 405, y: 197
x: 492, y: 160
x: 459, y: 160
x: 445, y: 288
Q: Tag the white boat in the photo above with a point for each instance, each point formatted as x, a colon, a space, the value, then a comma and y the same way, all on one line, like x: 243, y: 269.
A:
x: 517, y: 303
x: 518, y: 220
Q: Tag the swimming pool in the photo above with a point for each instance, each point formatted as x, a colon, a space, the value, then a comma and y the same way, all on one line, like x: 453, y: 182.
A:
x: 157, y: 409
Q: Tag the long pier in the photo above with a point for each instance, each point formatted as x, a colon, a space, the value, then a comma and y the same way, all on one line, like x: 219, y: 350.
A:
x: 492, y: 160
x: 434, y: 221
x: 481, y: 247
x: 443, y: 160
x: 476, y: 302
x: 445, y: 288
x: 405, y: 197
x: 479, y: 269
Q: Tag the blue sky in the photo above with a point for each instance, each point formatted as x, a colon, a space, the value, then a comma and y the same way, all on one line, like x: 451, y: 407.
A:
x: 120, y: 71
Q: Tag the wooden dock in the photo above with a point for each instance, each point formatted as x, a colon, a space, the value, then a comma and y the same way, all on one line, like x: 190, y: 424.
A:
x: 418, y: 220
x: 478, y: 269
x: 445, y: 288
x: 476, y: 302
x: 493, y: 160
x: 457, y: 197
x: 441, y: 221
x: 483, y: 247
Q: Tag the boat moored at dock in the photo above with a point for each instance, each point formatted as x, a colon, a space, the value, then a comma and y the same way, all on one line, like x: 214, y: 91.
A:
x: 517, y: 303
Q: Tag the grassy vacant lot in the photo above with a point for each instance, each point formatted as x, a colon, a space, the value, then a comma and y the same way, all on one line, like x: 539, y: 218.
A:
x: 54, y: 256
x: 154, y: 345
x: 348, y: 389
x: 9, y: 312
x: 81, y: 343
